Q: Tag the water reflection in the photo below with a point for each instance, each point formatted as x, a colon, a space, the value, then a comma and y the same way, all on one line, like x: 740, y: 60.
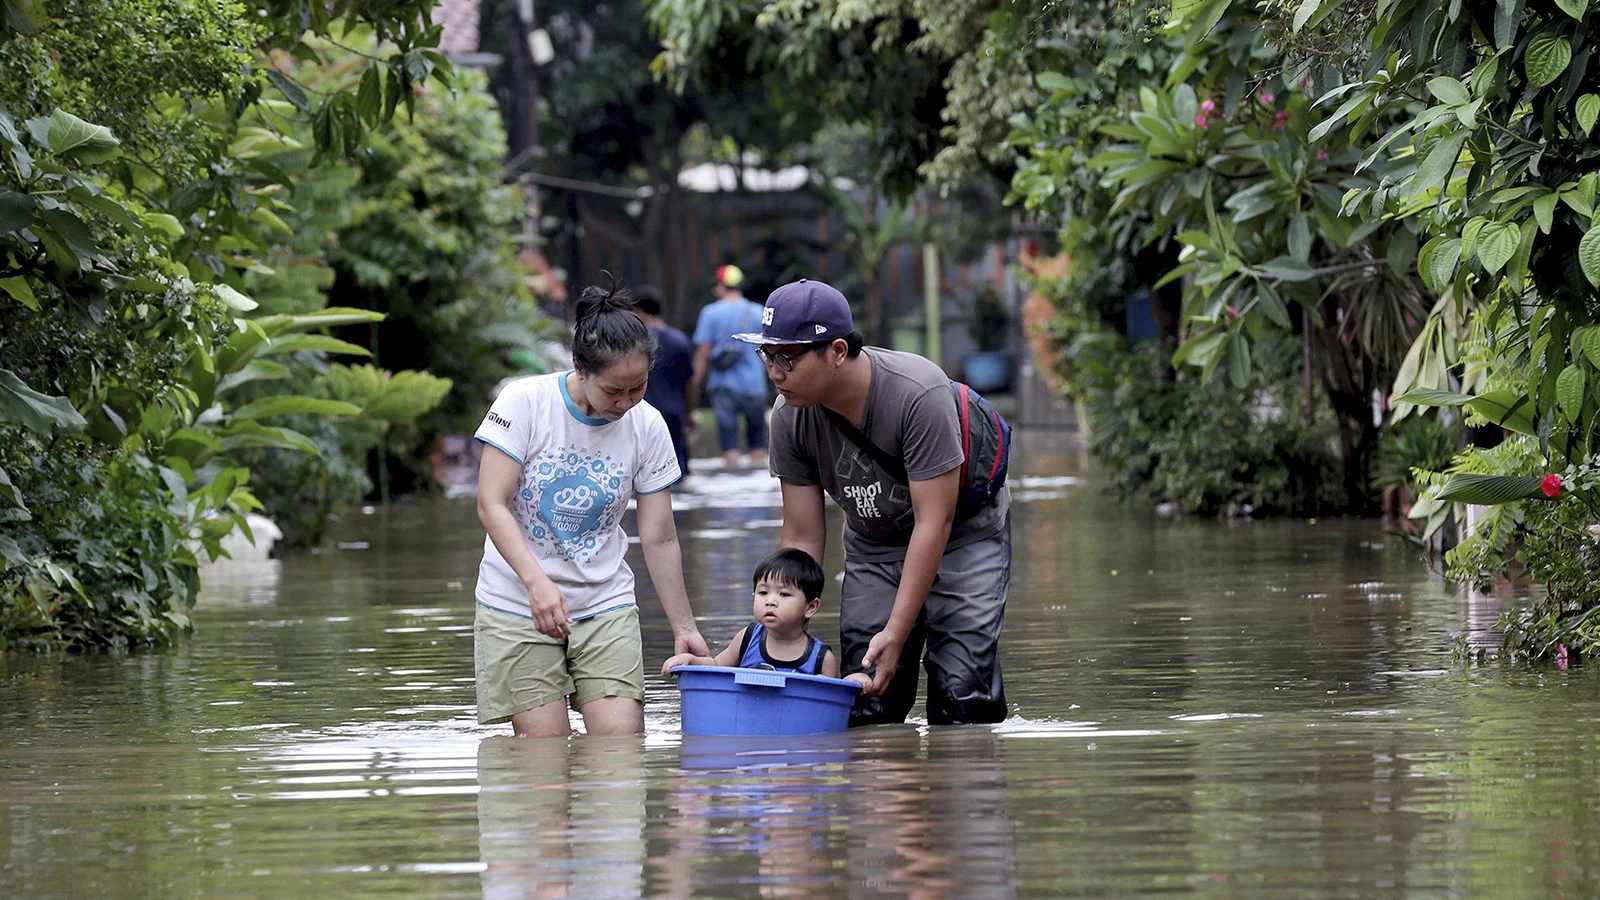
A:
x: 561, y: 819
x: 931, y: 815
x: 1259, y: 709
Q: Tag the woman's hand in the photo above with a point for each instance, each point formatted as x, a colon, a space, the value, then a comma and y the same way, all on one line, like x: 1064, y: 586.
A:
x: 690, y: 643
x: 549, y: 608
x: 682, y: 659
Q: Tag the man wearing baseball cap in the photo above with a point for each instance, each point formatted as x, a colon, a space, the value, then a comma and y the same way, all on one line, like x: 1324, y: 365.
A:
x: 915, y: 575
x: 729, y: 370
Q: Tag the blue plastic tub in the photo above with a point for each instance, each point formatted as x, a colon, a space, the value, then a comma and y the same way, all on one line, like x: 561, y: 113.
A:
x: 722, y: 700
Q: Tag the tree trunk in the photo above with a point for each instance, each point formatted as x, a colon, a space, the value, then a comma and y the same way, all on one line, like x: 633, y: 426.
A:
x: 1349, y: 381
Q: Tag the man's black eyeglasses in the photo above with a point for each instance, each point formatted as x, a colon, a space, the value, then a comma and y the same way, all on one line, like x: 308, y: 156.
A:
x: 784, y: 361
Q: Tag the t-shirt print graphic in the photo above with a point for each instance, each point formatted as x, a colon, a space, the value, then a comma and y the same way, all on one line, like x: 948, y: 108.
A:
x: 866, y: 490
x: 569, y: 494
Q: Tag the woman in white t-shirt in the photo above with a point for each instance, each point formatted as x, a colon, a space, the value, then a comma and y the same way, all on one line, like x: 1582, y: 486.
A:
x: 556, y: 620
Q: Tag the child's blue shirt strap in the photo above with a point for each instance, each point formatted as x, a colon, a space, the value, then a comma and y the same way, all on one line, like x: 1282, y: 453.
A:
x: 753, y: 653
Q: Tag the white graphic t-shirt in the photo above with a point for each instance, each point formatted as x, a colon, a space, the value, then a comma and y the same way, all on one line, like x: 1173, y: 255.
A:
x: 578, y: 473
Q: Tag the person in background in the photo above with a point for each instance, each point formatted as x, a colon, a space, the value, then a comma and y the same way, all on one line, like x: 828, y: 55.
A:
x: 729, y: 370
x: 557, y: 622
x: 672, y: 377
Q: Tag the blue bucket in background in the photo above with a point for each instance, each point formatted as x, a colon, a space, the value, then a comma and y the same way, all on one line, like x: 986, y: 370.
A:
x: 722, y: 700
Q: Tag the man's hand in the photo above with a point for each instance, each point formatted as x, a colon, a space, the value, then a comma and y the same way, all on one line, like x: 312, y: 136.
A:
x: 883, y: 652
x: 690, y: 642
x: 549, y: 608
x: 860, y: 678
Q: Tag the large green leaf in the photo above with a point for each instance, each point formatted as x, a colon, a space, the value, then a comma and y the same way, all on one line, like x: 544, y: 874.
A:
x: 1490, y: 490
x: 254, y: 370
x: 1430, y: 397
x: 294, y: 404
x: 18, y: 288
x: 1448, y: 90
x: 72, y: 138
x: 16, y: 211
x: 1547, y: 57
x: 32, y: 410
x: 25, y: 17
x: 1052, y: 82
x: 252, y: 434
x: 1506, y: 409
x: 1544, y: 211
x: 72, y: 233
x: 293, y: 342
x: 1586, y: 110
x: 291, y: 91
x: 1239, y: 361
x: 407, y: 396
x: 1200, y: 351
x: 1437, y: 262
x: 1569, y: 392
x: 332, y: 317
x: 1272, y: 305
x: 1590, y: 345
x: 1496, y: 244
x: 1287, y: 268
x: 10, y: 492
x: 1589, y: 255
x: 1573, y: 8
x: 1300, y: 237
x: 233, y: 298
x: 1441, y: 161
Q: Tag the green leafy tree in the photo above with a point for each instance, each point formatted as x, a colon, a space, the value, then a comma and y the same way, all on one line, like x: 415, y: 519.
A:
x: 129, y: 368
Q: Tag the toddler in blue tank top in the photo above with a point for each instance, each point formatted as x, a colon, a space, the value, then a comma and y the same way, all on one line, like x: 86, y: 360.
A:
x: 786, y: 593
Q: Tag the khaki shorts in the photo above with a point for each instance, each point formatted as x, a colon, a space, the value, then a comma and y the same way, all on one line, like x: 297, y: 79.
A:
x: 519, y: 669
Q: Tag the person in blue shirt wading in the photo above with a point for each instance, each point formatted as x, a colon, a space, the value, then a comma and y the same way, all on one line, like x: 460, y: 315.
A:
x: 729, y: 370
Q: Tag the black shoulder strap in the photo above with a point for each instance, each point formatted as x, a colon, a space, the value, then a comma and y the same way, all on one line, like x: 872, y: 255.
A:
x: 744, y: 642
x: 895, y: 468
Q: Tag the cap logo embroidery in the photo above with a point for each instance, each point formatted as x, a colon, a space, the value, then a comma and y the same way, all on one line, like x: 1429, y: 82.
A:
x: 822, y: 329
x: 766, y: 316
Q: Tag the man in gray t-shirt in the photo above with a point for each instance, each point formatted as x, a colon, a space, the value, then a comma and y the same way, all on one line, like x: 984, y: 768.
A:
x: 915, y: 575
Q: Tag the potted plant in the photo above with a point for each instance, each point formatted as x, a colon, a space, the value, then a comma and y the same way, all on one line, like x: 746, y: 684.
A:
x: 988, y: 367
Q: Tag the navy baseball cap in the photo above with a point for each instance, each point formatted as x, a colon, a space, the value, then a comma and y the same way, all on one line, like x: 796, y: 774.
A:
x: 802, y: 312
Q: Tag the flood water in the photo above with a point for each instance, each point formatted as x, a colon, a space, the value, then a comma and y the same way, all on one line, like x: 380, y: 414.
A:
x: 1199, y: 708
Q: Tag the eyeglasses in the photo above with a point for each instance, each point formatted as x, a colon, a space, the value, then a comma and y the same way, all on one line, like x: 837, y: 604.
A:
x: 784, y: 361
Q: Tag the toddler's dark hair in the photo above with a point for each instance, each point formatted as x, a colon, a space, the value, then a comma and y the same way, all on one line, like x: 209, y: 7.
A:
x: 607, y: 330
x: 792, y: 566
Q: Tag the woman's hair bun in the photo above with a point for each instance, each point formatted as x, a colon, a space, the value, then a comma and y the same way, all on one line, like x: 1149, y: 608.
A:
x: 597, y: 299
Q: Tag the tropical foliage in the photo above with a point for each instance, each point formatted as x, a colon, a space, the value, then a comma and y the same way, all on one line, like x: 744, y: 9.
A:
x: 1405, y: 189
x: 135, y: 201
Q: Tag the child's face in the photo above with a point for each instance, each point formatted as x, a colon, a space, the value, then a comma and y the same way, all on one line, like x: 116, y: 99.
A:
x: 782, y: 605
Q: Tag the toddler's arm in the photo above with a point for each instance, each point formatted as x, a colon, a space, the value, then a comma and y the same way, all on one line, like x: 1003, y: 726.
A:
x: 830, y: 668
x: 728, y: 657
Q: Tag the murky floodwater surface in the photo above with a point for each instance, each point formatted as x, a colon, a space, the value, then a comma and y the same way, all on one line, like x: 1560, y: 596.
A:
x: 1262, y: 709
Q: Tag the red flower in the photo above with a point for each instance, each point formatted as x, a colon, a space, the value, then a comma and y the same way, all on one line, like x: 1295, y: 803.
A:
x: 1551, y: 486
